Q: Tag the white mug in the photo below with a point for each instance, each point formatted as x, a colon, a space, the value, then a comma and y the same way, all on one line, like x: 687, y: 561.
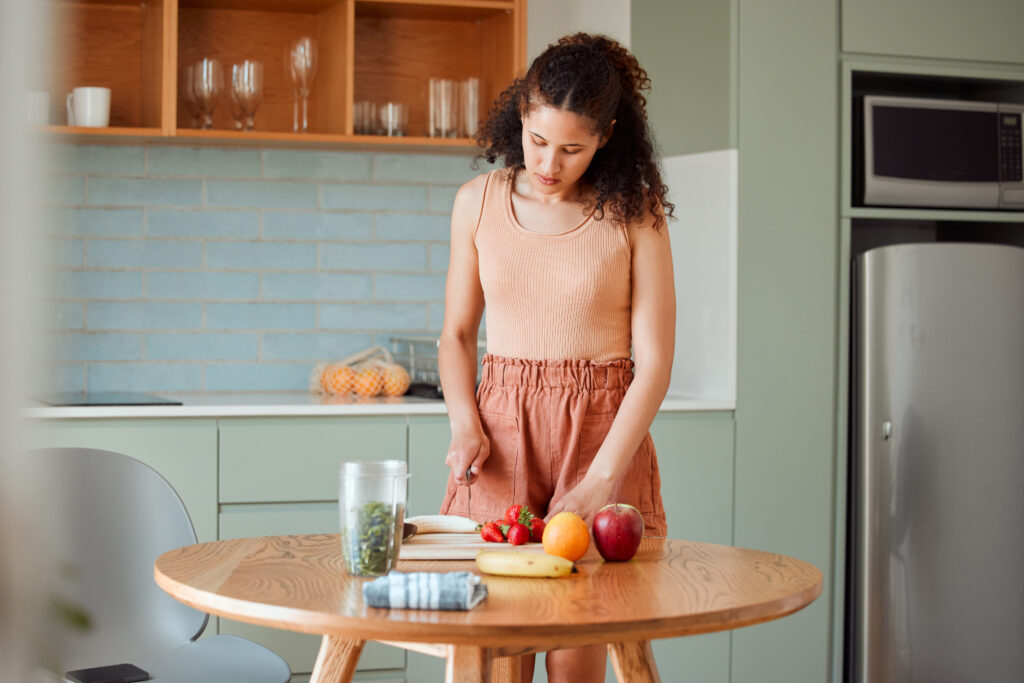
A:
x: 37, y: 108
x: 89, y: 107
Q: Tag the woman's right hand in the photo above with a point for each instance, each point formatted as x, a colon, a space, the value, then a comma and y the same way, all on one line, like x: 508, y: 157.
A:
x: 468, y: 451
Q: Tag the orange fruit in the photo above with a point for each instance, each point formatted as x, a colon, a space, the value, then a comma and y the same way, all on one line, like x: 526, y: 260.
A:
x: 337, y: 379
x: 396, y: 380
x: 369, y: 381
x: 566, y: 535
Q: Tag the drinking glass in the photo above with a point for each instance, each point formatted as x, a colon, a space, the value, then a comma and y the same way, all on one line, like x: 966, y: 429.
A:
x: 188, y: 93
x: 371, y: 505
x: 443, y: 108
x: 469, y: 107
x: 394, y: 117
x: 246, y: 89
x: 207, y: 86
x: 300, y: 60
x: 364, y: 119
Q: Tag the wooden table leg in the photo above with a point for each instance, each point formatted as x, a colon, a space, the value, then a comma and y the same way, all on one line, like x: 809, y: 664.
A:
x: 634, y: 662
x: 506, y: 669
x: 468, y: 664
x: 337, y: 660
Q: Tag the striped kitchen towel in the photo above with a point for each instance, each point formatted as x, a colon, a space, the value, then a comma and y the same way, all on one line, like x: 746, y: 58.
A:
x: 425, y: 590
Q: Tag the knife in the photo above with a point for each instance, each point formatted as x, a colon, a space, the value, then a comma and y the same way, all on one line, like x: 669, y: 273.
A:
x: 469, y: 492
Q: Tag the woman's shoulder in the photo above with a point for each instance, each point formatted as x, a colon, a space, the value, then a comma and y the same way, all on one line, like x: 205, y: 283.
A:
x: 472, y: 191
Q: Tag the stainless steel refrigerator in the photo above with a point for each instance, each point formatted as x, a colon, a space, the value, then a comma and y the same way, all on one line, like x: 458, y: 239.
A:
x: 937, y: 465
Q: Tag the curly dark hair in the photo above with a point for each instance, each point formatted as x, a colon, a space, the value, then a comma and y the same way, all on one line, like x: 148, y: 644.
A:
x: 597, y: 78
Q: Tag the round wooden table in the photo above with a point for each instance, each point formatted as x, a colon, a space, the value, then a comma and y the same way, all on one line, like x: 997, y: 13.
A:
x: 671, y: 588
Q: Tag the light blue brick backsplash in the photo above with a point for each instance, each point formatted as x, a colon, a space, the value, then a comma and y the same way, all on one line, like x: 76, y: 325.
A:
x: 100, y: 222
x: 261, y: 255
x: 193, y: 161
x: 149, y: 253
x: 209, y: 269
x: 145, y: 191
x: 144, y: 377
x: 413, y: 226
x: 261, y: 193
x: 204, y: 286
x: 258, y: 376
x: 317, y: 286
x: 109, y: 315
x: 101, y: 346
x: 377, y: 317
x: 374, y: 197
x: 202, y: 346
x: 202, y: 224
x: 403, y: 257
x: 294, y: 225
x: 286, y: 163
x: 260, y: 316
x: 314, y: 346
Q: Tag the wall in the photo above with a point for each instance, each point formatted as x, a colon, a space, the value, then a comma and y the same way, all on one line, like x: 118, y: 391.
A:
x: 184, y: 269
x: 549, y: 20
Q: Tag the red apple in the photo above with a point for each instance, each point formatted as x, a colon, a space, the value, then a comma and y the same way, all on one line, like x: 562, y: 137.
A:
x: 618, y: 529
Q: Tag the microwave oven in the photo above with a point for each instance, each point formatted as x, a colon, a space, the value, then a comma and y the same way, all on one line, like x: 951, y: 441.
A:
x: 917, y: 152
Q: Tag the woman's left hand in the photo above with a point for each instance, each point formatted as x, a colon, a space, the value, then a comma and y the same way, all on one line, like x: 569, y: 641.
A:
x: 589, y: 496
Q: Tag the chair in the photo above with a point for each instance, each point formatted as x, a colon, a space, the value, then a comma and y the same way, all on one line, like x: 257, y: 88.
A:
x: 113, y: 516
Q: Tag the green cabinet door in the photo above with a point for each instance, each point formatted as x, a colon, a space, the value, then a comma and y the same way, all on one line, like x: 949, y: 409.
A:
x: 184, y: 451
x: 980, y: 30
x: 429, y: 438
x: 297, y: 459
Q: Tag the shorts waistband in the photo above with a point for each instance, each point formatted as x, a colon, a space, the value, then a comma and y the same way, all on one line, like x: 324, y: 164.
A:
x: 581, y: 374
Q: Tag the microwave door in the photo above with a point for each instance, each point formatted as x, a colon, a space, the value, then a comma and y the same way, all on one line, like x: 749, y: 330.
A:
x: 930, y: 153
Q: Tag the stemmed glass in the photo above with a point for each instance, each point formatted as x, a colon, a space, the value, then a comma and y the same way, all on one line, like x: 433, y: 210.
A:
x: 189, y: 94
x: 207, y: 85
x: 300, y: 59
x: 246, y: 89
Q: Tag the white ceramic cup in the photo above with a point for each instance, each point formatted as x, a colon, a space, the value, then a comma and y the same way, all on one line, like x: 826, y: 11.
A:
x: 37, y: 108
x: 89, y: 107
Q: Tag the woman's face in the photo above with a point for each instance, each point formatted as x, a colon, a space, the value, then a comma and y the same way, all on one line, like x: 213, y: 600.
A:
x: 558, y: 146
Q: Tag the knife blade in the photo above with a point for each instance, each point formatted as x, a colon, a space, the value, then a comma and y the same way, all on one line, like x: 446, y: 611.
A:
x: 469, y: 492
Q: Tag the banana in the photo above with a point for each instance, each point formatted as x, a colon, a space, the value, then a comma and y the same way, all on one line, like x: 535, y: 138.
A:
x: 442, y: 524
x: 512, y: 563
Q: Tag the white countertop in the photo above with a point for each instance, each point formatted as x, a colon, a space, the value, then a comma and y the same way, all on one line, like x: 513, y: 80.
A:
x: 299, y: 403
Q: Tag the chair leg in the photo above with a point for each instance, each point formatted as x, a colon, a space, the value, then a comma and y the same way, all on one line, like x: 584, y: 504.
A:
x: 634, y: 662
x: 337, y: 660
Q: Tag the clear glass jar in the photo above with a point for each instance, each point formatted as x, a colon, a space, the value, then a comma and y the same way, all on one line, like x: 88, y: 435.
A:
x: 371, y: 502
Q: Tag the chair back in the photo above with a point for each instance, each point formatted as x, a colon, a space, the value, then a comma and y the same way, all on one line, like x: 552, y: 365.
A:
x: 112, y: 516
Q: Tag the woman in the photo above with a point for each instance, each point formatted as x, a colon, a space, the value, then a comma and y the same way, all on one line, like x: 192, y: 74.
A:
x: 568, y: 249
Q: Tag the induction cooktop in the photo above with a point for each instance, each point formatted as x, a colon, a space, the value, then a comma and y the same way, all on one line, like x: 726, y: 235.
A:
x: 105, y: 398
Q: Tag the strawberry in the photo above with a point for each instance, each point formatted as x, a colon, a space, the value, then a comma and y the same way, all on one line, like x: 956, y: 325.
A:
x: 536, y: 529
x: 512, y: 514
x: 518, y: 534
x: 491, y: 532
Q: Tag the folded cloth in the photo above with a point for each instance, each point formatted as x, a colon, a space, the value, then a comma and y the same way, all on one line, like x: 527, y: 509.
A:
x: 425, y: 590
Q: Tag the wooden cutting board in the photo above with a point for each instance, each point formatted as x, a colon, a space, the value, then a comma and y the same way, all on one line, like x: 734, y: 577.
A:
x: 454, y: 547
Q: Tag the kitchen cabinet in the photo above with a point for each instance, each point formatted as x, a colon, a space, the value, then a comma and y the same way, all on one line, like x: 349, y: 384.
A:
x: 373, y: 50
x: 983, y: 30
x: 184, y: 451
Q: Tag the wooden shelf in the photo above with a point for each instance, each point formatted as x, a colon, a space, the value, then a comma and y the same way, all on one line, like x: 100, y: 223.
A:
x: 377, y: 50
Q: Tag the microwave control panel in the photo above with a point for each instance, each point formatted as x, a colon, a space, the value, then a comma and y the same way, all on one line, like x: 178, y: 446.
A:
x: 1011, y: 154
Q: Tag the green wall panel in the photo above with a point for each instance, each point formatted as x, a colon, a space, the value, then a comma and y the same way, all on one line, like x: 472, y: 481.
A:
x: 687, y: 50
x: 785, y: 412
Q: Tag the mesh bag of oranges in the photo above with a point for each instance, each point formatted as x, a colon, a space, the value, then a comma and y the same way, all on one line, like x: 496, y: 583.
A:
x: 371, y: 372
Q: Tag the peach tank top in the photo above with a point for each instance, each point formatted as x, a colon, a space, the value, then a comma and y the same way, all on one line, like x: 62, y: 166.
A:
x: 552, y: 296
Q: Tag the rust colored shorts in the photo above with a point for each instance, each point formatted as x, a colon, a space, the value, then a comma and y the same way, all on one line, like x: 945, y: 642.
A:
x: 545, y: 421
